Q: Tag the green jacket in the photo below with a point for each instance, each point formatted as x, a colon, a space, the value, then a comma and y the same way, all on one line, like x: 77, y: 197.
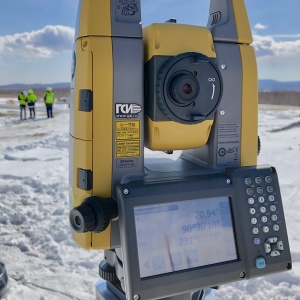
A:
x: 22, y: 99
x: 49, y: 97
x: 31, y: 99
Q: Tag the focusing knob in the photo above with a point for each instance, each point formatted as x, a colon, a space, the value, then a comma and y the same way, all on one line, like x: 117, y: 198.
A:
x: 93, y: 215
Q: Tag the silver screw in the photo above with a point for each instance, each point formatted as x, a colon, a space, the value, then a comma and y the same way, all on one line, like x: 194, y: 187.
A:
x: 136, y: 297
x: 222, y: 112
x: 223, y: 66
x: 242, y: 275
x: 126, y: 192
x: 228, y: 181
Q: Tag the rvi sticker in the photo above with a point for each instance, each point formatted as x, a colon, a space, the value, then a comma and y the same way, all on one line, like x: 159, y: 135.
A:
x: 127, y: 110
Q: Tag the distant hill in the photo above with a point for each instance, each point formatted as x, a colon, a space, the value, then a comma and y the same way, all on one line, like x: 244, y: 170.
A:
x: 61, y: 90
x: 22, y: 86
x: 273, y: 85
x: 263, y: 84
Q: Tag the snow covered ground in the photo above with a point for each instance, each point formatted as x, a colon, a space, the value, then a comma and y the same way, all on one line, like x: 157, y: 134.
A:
x: 43, y: 262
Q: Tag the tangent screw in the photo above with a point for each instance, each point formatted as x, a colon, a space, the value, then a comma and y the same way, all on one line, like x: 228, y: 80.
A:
x: 136, y: 297
x: 126, y: 192
x: 222, y: 112
x: 228, y: 181
x: 242, y: 275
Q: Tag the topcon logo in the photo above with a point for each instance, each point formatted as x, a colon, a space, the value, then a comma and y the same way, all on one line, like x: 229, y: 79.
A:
x: 214, y: 18
x: 127, y: 111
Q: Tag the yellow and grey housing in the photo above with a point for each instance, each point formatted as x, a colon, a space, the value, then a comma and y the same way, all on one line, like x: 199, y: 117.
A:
x: 108, y: 127
x: 103, y: 146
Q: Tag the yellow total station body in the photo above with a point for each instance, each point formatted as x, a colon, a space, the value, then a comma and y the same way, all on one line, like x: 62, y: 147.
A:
x: 124, y: 77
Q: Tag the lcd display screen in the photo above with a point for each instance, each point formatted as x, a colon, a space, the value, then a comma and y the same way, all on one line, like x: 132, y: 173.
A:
x: 183, y: 235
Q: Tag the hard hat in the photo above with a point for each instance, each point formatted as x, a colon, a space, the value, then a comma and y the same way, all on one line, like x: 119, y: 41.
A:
x: 30, y: 91
x: 49, y: 89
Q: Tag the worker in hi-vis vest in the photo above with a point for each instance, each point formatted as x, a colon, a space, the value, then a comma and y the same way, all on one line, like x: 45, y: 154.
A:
x: 22, y: 97
x: 31, y: 99
x: 49, y: 100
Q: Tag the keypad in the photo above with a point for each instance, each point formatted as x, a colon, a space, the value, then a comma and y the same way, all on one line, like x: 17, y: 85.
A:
x: 271, y: 198
x: 264, y: 219
x: 248, y: 181
x: 250, y: 201
x: 266, y: 229
x: 263, y: 213
x: 263, y: 209
x: 258, y: 180
x: 268, y: 179
x: 260, y: 190
x: 249, y: 191
x: 253, y: 221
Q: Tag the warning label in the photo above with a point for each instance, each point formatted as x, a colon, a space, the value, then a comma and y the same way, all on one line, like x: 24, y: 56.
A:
x: 228, y: 143
x: 127, y: 130
x: 127, y: 148
x: 128, y: 142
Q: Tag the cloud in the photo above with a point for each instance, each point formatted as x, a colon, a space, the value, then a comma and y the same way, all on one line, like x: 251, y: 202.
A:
x: 260, y: 26
x: 287, y: 36
x: 45, y: 42
x: 267, y: 46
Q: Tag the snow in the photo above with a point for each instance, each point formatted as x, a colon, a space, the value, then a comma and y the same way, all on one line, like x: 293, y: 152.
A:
x: 41, y: 258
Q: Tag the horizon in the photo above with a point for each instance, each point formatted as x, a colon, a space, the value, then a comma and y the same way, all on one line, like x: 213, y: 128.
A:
x: 39, y: 49
x: 68, y: 82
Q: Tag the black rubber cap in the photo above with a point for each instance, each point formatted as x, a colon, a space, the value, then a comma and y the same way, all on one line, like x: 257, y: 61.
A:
x: 83, y: 219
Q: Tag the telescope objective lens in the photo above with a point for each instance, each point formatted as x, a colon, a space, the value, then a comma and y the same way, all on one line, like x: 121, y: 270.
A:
x: 187, y: 88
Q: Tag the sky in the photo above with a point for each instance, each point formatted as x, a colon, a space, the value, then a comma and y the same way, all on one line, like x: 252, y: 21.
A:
x: 36, y: 245
x: 36, y: 37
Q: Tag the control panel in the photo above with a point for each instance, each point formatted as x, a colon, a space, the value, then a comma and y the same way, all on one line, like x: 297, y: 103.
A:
x: 264, y: 223
x: 201, y: 231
